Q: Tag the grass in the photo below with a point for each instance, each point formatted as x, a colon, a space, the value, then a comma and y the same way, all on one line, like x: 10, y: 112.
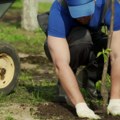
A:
x: 27, y: 90
x: 42, y: 6
x: 22, y: 39
x: 11, y: 32
x: 31, y: 92
x: 9, y: 117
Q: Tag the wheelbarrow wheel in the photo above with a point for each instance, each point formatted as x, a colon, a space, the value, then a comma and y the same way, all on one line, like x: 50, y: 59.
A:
x: 9, y: 68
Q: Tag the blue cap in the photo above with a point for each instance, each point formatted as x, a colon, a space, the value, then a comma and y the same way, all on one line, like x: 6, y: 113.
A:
x: 81, y: 8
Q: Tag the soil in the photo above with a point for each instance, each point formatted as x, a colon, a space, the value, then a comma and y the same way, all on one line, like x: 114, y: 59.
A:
x: 44, y: 111
x: 15, y: 111
x: 61, y: 111
x: 55, y: 110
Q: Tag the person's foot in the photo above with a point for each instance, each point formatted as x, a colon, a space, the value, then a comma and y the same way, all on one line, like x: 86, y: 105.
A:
x: 114, y: 107
x: 83, y: 111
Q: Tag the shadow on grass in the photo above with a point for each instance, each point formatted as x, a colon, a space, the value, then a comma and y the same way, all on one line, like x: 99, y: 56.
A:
x: 43, y: 93
x: 48, y: 101
x: 12, y: 18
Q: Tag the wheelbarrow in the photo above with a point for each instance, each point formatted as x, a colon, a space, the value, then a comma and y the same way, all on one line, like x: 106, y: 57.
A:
x: 9, y: 59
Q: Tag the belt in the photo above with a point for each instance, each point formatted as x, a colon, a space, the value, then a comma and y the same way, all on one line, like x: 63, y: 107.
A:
x: 63, y: 3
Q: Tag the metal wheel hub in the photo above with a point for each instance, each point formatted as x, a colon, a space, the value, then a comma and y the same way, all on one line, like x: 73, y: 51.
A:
x: 7, y: 69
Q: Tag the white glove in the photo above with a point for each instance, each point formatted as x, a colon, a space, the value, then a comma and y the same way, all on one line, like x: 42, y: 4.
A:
x: 114, y: 107
x: 83, y: 111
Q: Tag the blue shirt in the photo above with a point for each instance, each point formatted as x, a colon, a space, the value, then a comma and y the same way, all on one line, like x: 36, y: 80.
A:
x: 60, y: 21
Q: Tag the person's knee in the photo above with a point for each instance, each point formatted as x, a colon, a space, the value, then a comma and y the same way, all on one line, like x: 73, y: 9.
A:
x: 80, y: 44
x: 86, y: 54
x: 83, y: 57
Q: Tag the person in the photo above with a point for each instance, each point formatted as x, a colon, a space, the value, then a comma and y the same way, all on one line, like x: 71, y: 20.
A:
x: 65, y: 15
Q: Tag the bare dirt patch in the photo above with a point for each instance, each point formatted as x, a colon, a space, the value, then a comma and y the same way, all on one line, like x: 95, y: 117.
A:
x: 52, y: 110
x: 41, y: 70
x: 61, y: 111
x: 56, y: 110
x: 17, y: 111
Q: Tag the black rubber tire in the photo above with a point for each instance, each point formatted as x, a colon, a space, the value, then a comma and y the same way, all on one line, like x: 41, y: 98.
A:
x: 10, y: 58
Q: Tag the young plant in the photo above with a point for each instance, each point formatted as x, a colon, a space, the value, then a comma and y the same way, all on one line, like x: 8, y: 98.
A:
x: 104, y: 91
x: 101, y: 85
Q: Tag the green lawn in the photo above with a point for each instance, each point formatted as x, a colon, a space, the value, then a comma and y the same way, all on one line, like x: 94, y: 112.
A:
x: 11, y: 32
x: 30, y: 89
x: 30, y: 43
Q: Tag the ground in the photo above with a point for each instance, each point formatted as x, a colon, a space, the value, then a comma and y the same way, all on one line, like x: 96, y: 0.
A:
x: 51, y: 110
x: 49, y: 105
x: 56, y: 110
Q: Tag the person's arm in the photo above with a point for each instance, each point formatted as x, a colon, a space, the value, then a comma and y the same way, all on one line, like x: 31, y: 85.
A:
x: 61, y: 58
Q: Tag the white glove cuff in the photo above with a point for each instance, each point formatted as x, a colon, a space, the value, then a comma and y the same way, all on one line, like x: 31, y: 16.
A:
x: 114, y: 102
x: 82, y: 105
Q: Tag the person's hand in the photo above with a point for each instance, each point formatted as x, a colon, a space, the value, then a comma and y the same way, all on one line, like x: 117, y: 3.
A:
x: 114, y: 107
x: 114, y: 110
x: 83, y: 111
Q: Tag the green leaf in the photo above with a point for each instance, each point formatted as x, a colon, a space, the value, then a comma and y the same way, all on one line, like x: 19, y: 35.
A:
x: 103, y: 51
x: 108, y: 78
x: 107, y: 52
x: 98, y: 85
x: 108, y: 49
x: 105, y: 58
x: 99, y: 54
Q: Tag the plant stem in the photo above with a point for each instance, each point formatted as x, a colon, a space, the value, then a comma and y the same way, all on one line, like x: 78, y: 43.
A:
x: 104, y: 91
